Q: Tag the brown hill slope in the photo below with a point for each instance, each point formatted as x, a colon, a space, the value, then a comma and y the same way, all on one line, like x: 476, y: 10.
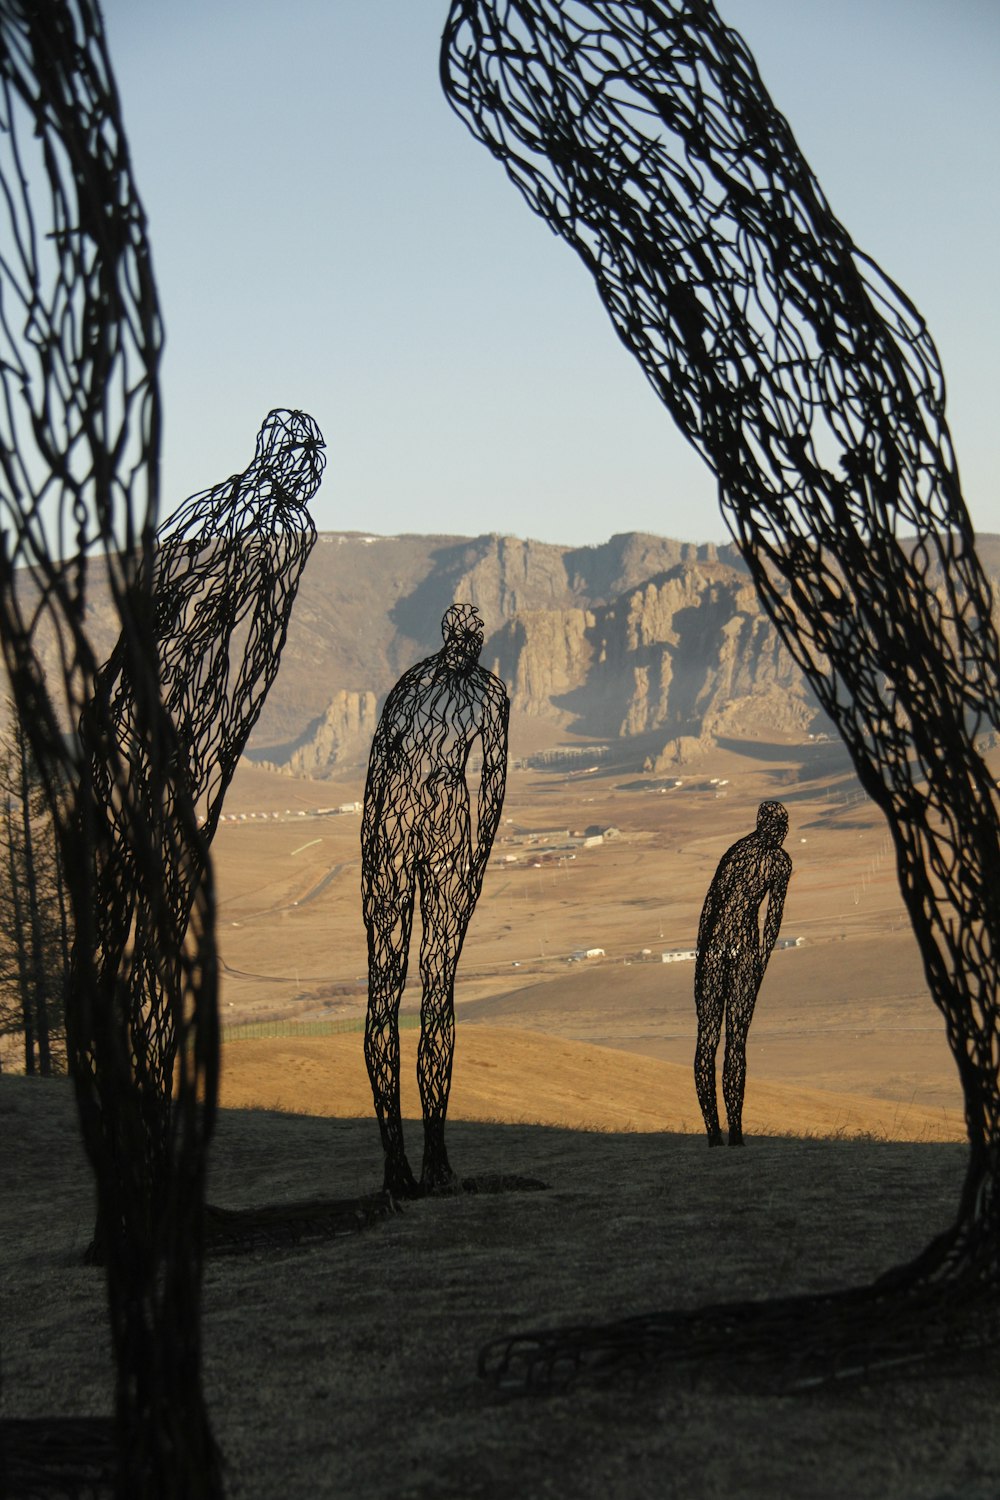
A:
x: 641, y: 635
x: 641, y: 639
x: 520, y: 1077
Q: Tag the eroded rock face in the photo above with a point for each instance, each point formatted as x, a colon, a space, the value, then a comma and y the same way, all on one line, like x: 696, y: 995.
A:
x: 641, y: 638
x: 685, y: 653
x: 344, y: 734
x: 543, y: 655
x: 689, y: 653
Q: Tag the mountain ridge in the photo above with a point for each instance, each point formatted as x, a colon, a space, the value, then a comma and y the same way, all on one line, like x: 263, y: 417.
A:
x: 638, y: 635
x: 654, y: 646
x: 641, y: 637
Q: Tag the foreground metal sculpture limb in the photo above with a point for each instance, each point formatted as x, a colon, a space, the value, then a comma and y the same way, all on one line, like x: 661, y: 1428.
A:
x: 733, y: 952
x: 641, y: 131
x: 225, y: 572
x: 417, y: 837
x: 80, y: 342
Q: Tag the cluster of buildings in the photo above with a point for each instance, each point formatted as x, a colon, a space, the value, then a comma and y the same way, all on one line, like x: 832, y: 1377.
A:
x: 543, y: 846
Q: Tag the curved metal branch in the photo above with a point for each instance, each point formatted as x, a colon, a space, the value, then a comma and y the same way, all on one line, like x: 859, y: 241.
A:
x: 640, y: 130
x: 80, y: 342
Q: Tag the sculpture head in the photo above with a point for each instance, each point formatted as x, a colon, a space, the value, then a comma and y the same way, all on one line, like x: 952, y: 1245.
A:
x: 290, y: 447
x: 772, y: 824
x: 463, y: 632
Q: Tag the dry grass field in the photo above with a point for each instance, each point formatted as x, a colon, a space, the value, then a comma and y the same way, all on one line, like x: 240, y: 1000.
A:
x: 524, y: 1077
x: 847, y: 1012
x: 348, y: 1367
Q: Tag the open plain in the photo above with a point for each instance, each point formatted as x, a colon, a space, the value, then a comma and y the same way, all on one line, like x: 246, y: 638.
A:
x: 613, y: 862
x: 348, y: 1366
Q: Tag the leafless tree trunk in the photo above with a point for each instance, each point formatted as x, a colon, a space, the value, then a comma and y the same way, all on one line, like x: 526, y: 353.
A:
x: 34, y: 927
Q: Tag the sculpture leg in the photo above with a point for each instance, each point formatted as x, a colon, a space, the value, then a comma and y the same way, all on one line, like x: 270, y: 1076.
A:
x: 709, y: 1003
x: 444, y: 923
x: 388, y: 920
x: 739, y: 1014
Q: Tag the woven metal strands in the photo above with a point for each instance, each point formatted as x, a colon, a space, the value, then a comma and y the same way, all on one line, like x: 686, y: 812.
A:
x: 644, y: 136
x: 225, y: 572
x: 419, y: 837
x: 733, y: 951
x: 80, y: 345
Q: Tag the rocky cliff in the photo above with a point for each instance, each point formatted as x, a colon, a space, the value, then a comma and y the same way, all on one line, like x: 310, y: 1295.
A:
x: 644, y: 636
x: 344, y: 734
x: 369, y: 607
x: 642, y: 639
x: 687, y: 653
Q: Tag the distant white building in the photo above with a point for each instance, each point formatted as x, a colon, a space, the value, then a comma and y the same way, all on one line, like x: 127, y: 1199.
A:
x: 679, y: 956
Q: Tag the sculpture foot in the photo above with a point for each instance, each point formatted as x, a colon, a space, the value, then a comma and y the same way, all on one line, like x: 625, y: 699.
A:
x: 437, y: 1175
x: 736, y: 1137
x: 399, y: 1181
x: 715, y: 1137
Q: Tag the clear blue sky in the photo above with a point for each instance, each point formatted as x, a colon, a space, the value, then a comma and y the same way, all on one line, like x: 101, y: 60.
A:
x: 327, y: 235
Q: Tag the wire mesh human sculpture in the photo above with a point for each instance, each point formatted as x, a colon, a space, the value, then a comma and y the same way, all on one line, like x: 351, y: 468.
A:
x: 643, y: 134
x: 418, y: 840
x: 225, y: 572
x: 227, y: 568
x: 733, y: 949
x: 80, y: 342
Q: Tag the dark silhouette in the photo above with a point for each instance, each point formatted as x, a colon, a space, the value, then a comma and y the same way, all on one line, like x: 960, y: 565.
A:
x: 733, y: 951
x: 417, y: 836
x: 809, y: 382
x: 34, y: 911
x: 225, y: 569
x: 80, y: 343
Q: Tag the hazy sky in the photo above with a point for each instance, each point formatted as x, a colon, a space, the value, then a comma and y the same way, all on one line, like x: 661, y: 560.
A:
x: 327, y: 235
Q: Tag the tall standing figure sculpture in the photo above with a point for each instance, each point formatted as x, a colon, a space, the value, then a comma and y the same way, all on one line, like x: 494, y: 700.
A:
x: 225, y: 573
x: 733, y: 950
x: 80, y: 341
x: 643, y: 134
x: 418, y: 837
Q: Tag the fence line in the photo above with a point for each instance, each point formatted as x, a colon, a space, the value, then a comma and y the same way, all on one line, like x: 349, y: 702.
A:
x: 241, y: 1031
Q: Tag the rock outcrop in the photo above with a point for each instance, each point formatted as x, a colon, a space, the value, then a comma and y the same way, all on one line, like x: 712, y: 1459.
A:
x: 342, y: 736
x: 689, y: 654
x: 640, y: 639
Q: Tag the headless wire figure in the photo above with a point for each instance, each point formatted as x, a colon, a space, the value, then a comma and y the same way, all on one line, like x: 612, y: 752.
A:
x: 732, y: 956
x: 417, y: 836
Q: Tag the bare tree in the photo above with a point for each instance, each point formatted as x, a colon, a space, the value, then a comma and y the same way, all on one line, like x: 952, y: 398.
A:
x: 34, y: 918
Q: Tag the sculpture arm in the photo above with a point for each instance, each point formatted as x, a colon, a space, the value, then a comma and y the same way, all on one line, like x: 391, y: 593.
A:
x: 715, y: 900
x: 396, y: 716
x: 493, y: 781
x: 775, y: 906
x: 374, y: 786
x: 707, y: 920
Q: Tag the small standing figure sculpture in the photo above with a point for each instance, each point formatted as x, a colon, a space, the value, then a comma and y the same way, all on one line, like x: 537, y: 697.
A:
x: 732, y: 955
x: 417, y: 835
